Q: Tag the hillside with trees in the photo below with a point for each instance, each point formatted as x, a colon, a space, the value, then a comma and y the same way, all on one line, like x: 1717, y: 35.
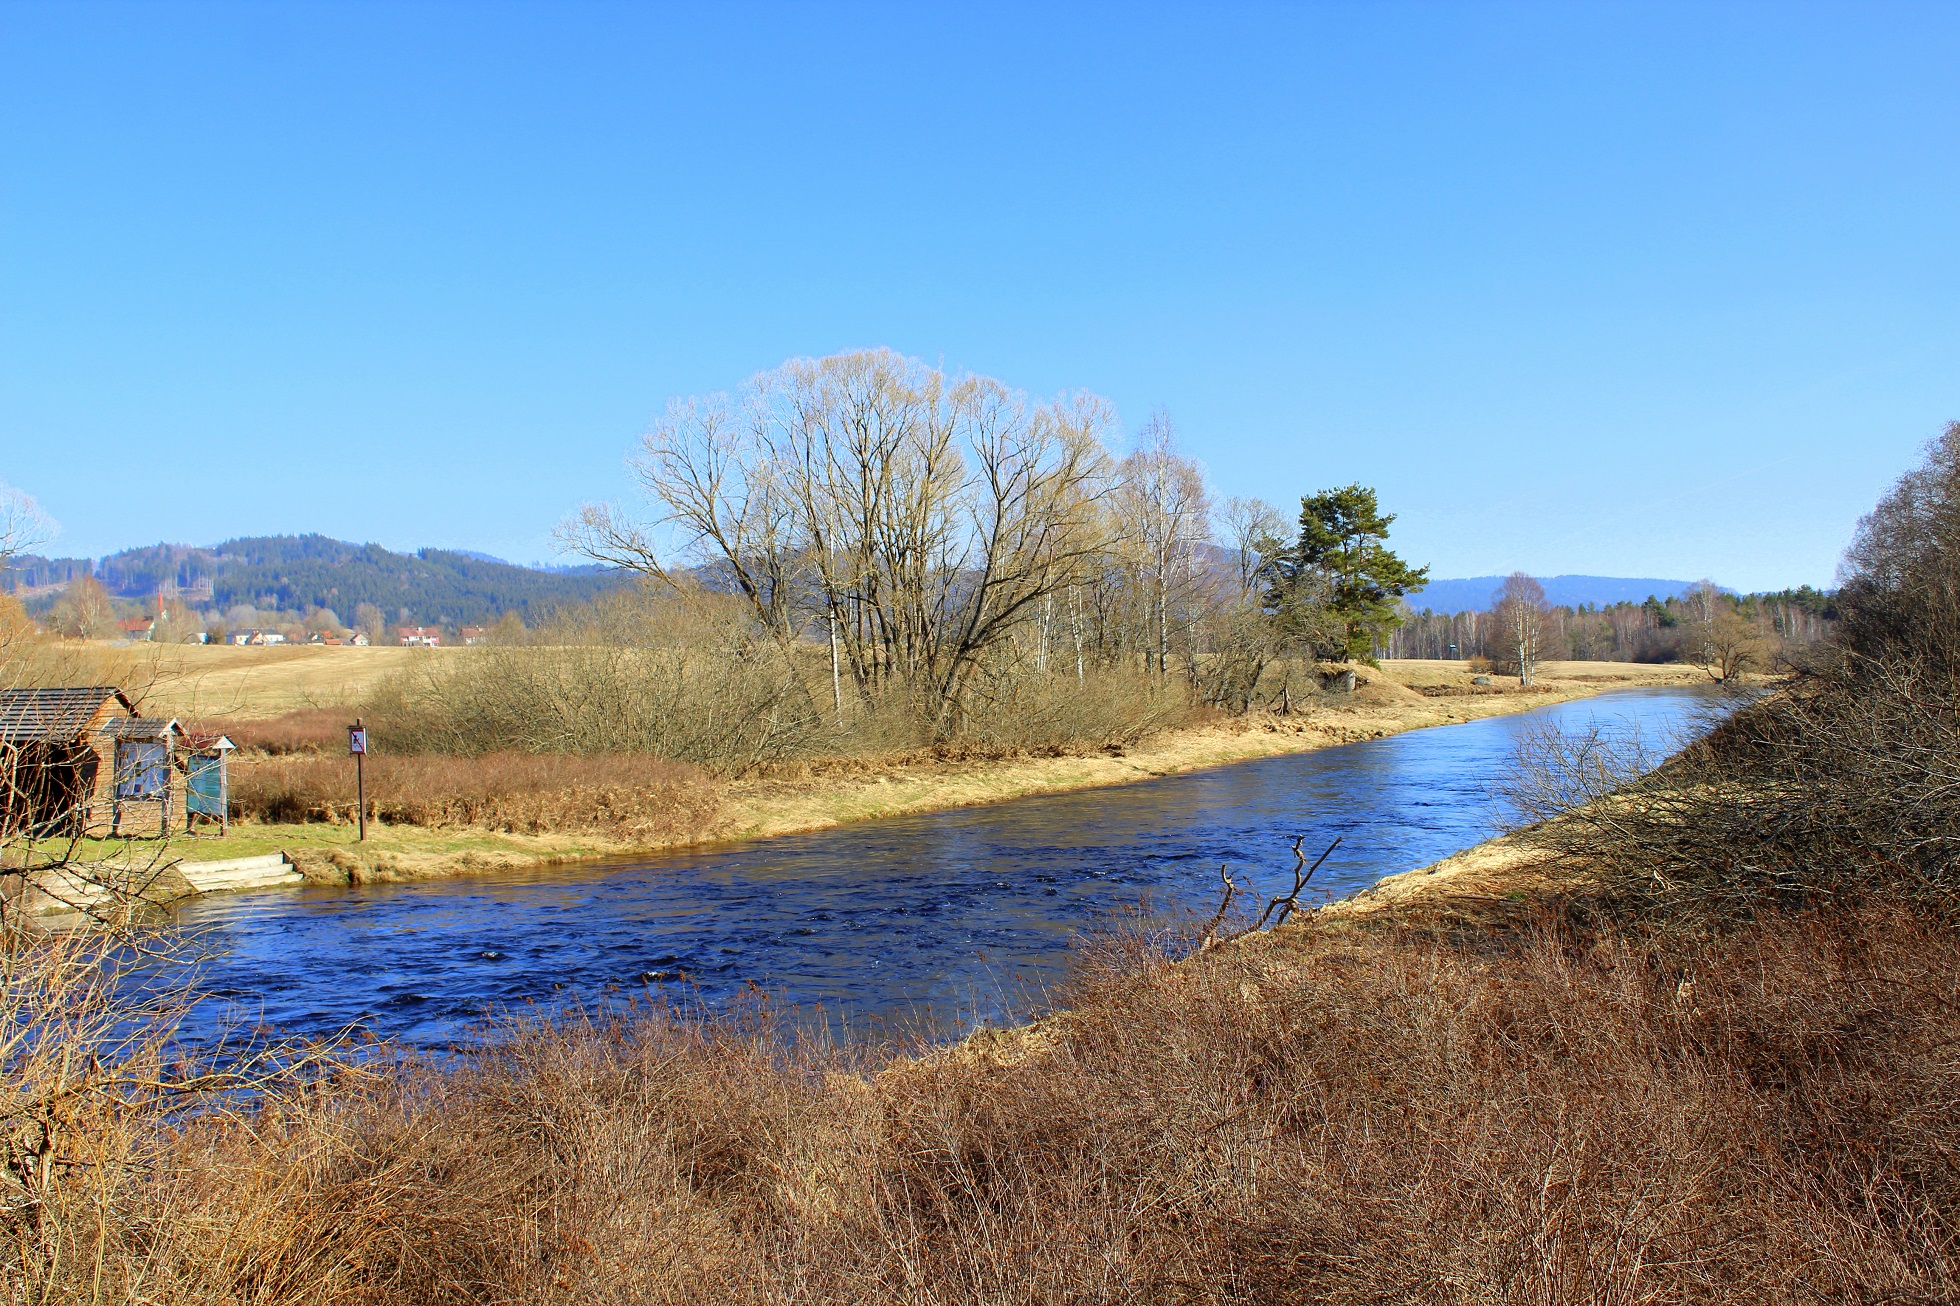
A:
x: 300, y: 574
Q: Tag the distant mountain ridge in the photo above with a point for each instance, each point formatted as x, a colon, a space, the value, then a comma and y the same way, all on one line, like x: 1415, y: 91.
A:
x: 1473, y: 593
x: 466, y: 587
x: 297, y: 572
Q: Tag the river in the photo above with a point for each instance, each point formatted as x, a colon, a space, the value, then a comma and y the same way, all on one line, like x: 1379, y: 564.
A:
x: 949, y: 918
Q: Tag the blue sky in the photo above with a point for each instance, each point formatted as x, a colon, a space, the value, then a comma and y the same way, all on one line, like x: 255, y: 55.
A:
x: 1646, y: 289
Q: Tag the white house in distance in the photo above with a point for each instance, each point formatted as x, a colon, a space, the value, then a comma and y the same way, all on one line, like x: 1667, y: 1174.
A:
x: 419, y: 636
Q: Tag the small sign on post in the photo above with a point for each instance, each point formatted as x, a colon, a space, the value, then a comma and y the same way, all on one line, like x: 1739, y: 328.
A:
x: 357, y: 746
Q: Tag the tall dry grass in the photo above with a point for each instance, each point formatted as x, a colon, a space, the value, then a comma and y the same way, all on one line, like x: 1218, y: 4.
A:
x: 95, y: 1091
x: 307, y: 730
x: 1539, y: 1115
x: 630, y: 795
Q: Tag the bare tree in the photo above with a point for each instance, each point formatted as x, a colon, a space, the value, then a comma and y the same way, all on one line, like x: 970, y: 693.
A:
x: 1255, y: 531
x: 368, y: 619
x: 708, y: 468
x: 1718, y: 638
x: 921, y: 518
x: 1519, y: 625
x: 23, y: 526
x: 84, y: 610
x: 1166, y: 512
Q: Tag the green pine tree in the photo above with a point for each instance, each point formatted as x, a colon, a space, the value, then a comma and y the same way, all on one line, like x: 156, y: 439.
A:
x: 1337, y: 586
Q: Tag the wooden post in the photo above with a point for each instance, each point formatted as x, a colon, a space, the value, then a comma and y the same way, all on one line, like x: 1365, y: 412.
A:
x: 357, y: 745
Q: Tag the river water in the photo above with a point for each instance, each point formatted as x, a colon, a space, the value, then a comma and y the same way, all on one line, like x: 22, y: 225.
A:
x: 947, y: 919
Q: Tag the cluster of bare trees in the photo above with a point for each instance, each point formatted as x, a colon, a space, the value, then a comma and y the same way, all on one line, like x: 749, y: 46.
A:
x: 934, y: 533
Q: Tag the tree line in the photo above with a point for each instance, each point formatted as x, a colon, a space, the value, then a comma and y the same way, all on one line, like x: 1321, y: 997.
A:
x: 1707, y: 626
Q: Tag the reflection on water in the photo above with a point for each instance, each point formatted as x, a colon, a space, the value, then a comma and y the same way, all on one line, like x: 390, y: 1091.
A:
x: 942, y: 916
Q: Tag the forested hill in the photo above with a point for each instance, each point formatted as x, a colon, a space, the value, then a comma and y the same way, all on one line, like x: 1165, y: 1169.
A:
x: 297, y: 572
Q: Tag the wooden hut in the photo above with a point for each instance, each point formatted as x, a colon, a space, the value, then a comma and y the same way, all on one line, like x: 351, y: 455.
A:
x: 146, y: 790
x: 85, y: 761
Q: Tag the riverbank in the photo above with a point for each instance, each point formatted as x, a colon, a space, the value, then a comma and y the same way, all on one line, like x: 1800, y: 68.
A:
x: 1400, y: 696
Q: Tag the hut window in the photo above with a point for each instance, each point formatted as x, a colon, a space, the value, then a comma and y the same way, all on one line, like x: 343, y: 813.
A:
x: 142, y: 768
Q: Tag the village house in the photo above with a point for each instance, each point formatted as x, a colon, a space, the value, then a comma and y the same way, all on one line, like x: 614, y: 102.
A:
x: 137, y: 627
x: 473, y: 634
x: 419, y: 636
x: 86, y: 761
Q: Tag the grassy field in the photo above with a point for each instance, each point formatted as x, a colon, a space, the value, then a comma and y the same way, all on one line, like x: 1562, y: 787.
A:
x: 220, y: 681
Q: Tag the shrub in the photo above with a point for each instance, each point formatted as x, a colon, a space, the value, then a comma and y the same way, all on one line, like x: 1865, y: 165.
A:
x: 722, y: 709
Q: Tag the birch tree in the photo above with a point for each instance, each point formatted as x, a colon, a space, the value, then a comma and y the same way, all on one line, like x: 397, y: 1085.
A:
x: 1166, y: 512
x: 1254, y: 531
x: 1519, y: 624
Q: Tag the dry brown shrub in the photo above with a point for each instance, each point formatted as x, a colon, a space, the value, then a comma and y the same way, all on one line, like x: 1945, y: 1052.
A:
x: 307, y: 730
x: 524, y: 793
x: 1058, y: 713
x: 94, y: 1088
x: 1394, y: 1115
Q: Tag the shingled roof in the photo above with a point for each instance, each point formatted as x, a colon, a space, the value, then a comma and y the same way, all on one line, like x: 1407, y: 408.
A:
x: 36, y: 715
x: 150, y: 728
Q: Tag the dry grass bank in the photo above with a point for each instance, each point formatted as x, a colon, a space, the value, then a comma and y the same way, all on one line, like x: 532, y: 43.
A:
x: 1403, y: 695
x: 443, y: 816
x: 1388, y: 1113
